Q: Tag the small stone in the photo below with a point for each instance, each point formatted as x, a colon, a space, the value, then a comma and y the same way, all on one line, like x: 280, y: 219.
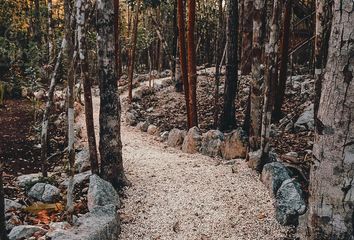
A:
x: 44, y: 192
x: 211, y: 143
x: 25, y: 180
x: 292, y: 154
x: 24, y: 232
x: 82, y: 161
x: 192, y: 141
x: 175, y: 137
x: 152, y: 129
x: 11, y: 205
x: 254, y: 159
x: 234, y: 145
x: 164, y: 136
x: 131, y: 118
x: 143, y: 126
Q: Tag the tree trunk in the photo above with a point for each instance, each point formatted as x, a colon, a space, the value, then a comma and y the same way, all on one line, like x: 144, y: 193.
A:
x: 110, y: 145
x: 3, y: 235
x: 118, y: 59
x: 37, y: 24
x: 256, y: 82
x: 132, y: 52
x: 319, y: 32
x: 51, y: 40
x: 70, y: 91
x: 47, y: 110
x: 247, y: 29
x: 178, y: 84
x: 81, y: 5
x: 271, y: 54
x: 228, y: 120
x: 331, y: 186
x: 218, y: 56
x: 192, y: 73
x: 182, y: 57
x: 284, y: 48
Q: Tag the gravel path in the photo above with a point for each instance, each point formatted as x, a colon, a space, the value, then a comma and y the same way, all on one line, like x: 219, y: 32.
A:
x: 182, y: 196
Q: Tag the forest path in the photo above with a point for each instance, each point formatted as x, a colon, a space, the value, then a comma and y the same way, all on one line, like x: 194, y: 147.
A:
x: 182, y: 196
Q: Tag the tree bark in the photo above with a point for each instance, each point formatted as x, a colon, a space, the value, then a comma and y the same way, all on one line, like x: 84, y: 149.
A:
x: 51, y: 39
x: 69, y: 36
x: 132, y: 52
x: 3, y: 235
x: 46, y: 113
x: 271, y: 53
x: 110, y: 145
x: 218, y: 56
x: 319, y: 32
x: 256, y: 82
x: 331, y: 180
x: 192, y: 73
x: 228, y: 120
x: 81, y: 6
x: 37, y: 24
x: 182, y: 57
x: 284, y: 48
x: 118, y: 58
x: 247, y: 32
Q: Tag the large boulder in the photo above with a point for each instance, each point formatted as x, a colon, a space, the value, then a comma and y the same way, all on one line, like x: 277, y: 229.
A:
x: 44, y: 192
x: 24, y: 232
x: 273, y: 175
x: 176, y: 137
x: 82, y: 161
x: 211, y: 143
x: 101, y: 193
x: 306, y: 119
x: 100, y: 223
x: 192, y: 141
x: 234, y: 145
x: 290, y: 203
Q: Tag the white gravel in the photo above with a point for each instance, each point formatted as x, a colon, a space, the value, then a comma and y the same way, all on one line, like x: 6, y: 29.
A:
x: 181, y: 196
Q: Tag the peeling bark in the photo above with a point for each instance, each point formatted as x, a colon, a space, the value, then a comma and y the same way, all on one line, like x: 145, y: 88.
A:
x: 110, y: 145
x: 331, y: 203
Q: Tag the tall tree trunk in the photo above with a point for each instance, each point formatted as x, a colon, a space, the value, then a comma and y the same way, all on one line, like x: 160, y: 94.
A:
x: 132, y: 52
x: 319, y: 32
x: 247, y: 29
x: 3, y: 235
x: 81, y: 6
x: 271, y: 54
x: 228, y: 120
x: 47, y: 110
x: 192, y: 73
x: 118, y: 59
x: 70, y: 91
x: 110, y: 145
x: 284, y: 48
x: 182, y: 57
x: 256, y: 82
x: 51, y: 40
x: 218, y: 56
x: 331, y: 180
x: 178, y: 85
x: 37, y: 23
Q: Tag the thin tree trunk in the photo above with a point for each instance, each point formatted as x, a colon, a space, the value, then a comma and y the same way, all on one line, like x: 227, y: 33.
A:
x: 284, y: 48
x: 50, y: 32
x: 37, y: 24
x: 192, y: 74
x: 247, y: 29
x: 47, y: 110
x: 331, y: 180
x: 81, y: 5
x: 70, y: 91
x: 118, y: 59
x: 3, y: 235
x: 319, y: 32
x: 110, y: 145
x: 132, y: 52
x: 271, y: 51
x: 228, y: 120
x: 256, y: 82
x: 182, y: 57
x: 178, y: 85
x: 218, y: 56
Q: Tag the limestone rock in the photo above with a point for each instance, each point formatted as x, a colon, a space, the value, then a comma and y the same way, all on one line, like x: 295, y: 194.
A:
x: 175, y: 137
x: 11, y: 205
x: 143, y: 126
x: 152, y: 129
x: 234, y: 145
x: 192, y: 141
x: 24, y: 232
x: 82, y: 161
x: 44, y: 192
x: 101, y: 193
x: 306, y: 119
x: 211, y: 143
x: 273, y: 175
